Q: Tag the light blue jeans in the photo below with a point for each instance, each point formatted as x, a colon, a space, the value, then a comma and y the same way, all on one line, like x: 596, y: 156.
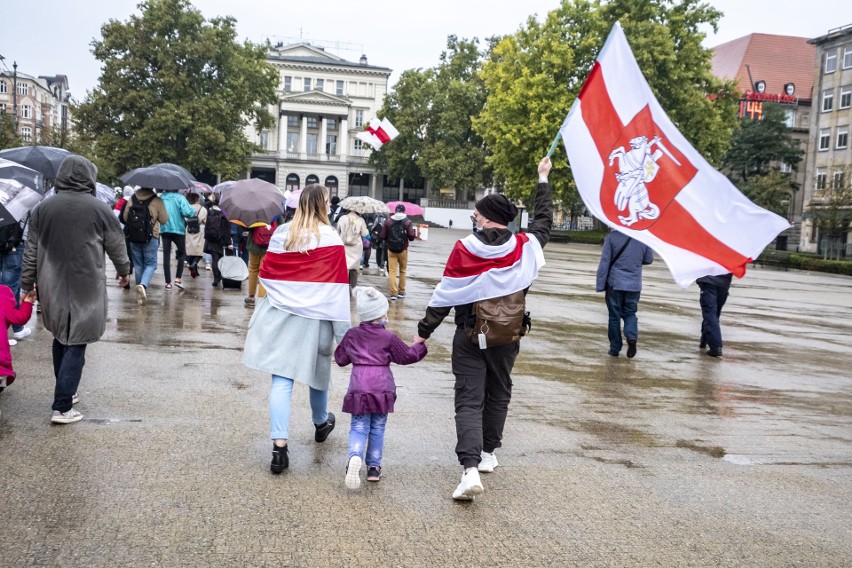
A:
x: 279, y: 407
x: 144, y: 258
x: 367, y: 434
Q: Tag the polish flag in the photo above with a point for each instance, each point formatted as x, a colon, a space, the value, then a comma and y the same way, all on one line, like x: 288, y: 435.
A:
x: 313, y: 284
x: 637, y: 173
x: 378, y: 133
x: 476, y: 271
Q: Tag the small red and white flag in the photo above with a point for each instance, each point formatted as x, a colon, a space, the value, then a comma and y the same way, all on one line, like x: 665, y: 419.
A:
x: 638, y: 174
x: 313, y: 284
x: 476, y: 271
x: 378, y: 133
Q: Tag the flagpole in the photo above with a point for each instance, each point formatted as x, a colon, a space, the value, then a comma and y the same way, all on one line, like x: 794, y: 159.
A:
x: 553, y: 146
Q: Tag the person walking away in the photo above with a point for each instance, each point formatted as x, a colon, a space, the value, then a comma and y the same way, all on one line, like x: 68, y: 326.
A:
x: 13, y: 242
x: 377, y: 242
x: 335, y: 211
x: 259, y: 238
x: 174, y: 232
x: 620, y: 278
x: 369, y: 220
x: 473, y: 284
x: 217, y: 238
x: 12, y: 313
x: 306, y: 308
x: 370, y: 349
x: 714, y: 294
x: 352, y: 228
x: 143, y: 214
x: 397, y: 232
x: 69, y: 235
x: 195, y: 234
x: 127, y: 193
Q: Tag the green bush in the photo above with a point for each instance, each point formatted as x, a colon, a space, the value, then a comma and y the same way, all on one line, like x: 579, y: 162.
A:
x: 804, y: 261
x: 582, y: 237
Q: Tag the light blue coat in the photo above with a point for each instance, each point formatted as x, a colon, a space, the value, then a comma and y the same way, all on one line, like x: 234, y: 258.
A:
x: 178, y: 209
x: 625, y: 274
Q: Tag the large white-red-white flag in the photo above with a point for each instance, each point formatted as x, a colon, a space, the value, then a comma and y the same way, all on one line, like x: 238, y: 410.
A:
x: 638, y: 174
x: 312, y: 284
x: 378, y: 133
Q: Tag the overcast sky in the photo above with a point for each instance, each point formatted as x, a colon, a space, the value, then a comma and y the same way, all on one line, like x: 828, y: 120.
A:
x: 53, y: 36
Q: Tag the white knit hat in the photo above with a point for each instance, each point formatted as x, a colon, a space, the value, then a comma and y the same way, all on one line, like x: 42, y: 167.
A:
x: 372, y: 304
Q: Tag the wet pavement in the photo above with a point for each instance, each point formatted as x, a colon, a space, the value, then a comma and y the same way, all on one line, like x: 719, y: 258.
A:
x: 670, y: 459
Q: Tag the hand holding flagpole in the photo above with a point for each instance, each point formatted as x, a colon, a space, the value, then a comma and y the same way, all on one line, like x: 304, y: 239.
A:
x: 553, y: 145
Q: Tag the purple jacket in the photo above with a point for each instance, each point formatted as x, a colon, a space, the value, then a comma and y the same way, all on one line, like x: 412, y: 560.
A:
x: 370, y: 348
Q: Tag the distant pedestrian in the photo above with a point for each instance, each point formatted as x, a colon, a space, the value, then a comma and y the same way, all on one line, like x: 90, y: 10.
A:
x: 11, y: 314
x: 258, y: 243
x: 370, y: 349
x: 142, y: 216
x: 714, y: 294
x: 397, y: 232
x: 69, y: 235
x: 352, y: 229
x: 291, y: 334
x: 217, y: 239
x: 620, y: 277
x: 174, y: 232
x: 195, y: 234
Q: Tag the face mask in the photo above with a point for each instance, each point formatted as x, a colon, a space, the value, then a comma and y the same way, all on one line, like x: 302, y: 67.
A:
x: 384, y: 322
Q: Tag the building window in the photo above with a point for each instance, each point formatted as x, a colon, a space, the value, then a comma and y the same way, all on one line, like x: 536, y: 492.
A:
x: 292, y: 141
x: 845, y: 97
x: 264, y: 140
x: 331, y: 145
x: 311, y: 179
x: 307, y: 84
x: 292, y: 182
x: 359, y: 118
x: 311, y: 143
x: 292, y: 121
x: 785, y: 168
x: 338, y: 88
x: 830, y: 62
x: 320, y: 85
x: 331, y: 184
x: 288, y: 83
x: 847, y: 57
x: 827, y: 100
x: 824, y: 139
x: 26, y: 111
x: 331, y: 124
x: 26, y: 133
x: 820, y: 178
x: 2, y: 108
x: 4, y: 87
x: 790, y: 117
x: 359, y: 147
x: 312, y: 122
x: 837, y: 182
x: 23, y: 89
x: 842, y: 138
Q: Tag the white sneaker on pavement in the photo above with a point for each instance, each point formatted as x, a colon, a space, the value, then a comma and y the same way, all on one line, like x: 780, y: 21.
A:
x: 75, y: 398
x: 141, y: 295
x: 26, y: 332
x: 353, y: 473
x: 470, y: 486
x: 66, y: 417
x: 488, y: 462
x: 13, y: 342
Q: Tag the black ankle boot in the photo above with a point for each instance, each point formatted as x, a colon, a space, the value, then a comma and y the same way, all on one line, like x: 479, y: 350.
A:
x: 323, y: 430
x: 280, y: 459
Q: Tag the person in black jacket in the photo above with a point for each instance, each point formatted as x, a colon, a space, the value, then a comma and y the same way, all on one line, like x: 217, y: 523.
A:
x: 483, y: 386
x: 714, y: 294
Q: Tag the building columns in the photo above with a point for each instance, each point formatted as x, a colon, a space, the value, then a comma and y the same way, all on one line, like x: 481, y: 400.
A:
x: 282, y: 135
x: 343, y: 142
x: 303, y: 138
x: 323, y: 138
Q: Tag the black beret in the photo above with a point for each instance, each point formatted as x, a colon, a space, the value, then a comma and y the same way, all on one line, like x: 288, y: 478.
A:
x: 496, y: 207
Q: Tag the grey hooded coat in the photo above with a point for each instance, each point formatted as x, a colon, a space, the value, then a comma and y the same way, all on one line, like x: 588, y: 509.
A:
x: 69, y: 234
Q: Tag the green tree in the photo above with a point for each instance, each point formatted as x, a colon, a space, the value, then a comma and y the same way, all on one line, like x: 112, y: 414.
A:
x: 8, y: 138
x: 176, y: 88
x: 759, y: 146
x: 534, y: 76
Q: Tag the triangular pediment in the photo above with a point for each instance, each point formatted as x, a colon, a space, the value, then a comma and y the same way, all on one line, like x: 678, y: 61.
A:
x: 305, y: 50
x: 315, y: 97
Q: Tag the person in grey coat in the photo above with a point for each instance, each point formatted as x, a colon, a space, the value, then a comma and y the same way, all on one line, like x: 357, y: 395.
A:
x: 64, y: 261
x: 620, y: 277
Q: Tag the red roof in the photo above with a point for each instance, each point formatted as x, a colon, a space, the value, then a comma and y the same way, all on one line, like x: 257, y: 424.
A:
x: 776, y: 59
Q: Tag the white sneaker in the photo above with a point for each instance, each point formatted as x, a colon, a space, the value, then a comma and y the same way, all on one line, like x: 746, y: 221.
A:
x: 66, y: 417
x: 75, y: 398
x: 353, y: 473
x: 26, y: 332
x: 12, y: 342
x: 470, y: 486
x: 141, y: 295
x: 488, y: 462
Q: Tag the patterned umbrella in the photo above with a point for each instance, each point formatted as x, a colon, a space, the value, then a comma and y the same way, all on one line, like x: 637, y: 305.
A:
x: 43, y: 159
x: 252, y: 202
x: 102, y: 191
x: 363, y: 204
x: 16, y: 200
x: 21, y: 174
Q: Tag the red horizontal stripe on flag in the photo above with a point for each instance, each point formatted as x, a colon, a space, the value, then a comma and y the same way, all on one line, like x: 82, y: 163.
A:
x: 325, y: 265
x: 463, y: 263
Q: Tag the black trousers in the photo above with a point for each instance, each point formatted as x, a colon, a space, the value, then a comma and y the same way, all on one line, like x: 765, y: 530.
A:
x: 68, y: 361
x: 180, y: 245
x: 712, y: 301
x: 483, y: 391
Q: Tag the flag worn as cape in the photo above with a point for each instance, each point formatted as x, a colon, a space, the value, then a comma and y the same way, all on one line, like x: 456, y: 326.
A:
x: 312, y: 284
x: 637, y: 173
x: 476, y: 271
x: 378, y: 133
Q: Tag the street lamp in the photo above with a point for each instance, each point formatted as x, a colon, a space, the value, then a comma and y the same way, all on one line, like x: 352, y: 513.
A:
x: 15, y: 93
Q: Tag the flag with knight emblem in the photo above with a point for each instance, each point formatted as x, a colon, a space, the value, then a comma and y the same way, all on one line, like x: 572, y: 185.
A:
x: 638, y: 174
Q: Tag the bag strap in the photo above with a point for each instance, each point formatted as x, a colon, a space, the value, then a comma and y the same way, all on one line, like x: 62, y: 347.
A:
x: 618, y: 254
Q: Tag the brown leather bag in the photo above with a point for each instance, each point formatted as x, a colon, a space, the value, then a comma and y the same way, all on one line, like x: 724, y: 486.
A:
x: 502, y: 320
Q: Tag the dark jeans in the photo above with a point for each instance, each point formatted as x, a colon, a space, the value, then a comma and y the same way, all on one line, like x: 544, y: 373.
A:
x: 622, y: 306
x: 217, y: 274
x: 712, y: 301
x: 239, y: 241
x: 483, y: 391
x: 365, y: 257
x: 10, y: 273
x: 68, y: 361
x: 180, y: 254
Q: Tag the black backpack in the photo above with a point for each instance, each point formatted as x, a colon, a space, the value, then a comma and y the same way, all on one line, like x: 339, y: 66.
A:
x: 11, y: 236
x: 193, y: 227
x: 138, y: 226
x: 397, y: 236
x: 213, y: 226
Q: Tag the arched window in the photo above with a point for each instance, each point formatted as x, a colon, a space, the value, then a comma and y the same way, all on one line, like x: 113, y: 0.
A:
x: 292, y: 182
x: 311, y: 179
x: 331, y: 184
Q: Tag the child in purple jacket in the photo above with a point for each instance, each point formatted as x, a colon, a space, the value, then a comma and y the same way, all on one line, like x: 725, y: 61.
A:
x: 370, y: 348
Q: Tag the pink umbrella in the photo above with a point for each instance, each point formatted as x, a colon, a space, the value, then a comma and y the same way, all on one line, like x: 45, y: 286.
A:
x: 410, y: 208
x: 293, y: 199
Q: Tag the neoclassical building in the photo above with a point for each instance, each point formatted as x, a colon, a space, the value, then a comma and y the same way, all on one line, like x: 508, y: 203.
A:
x: 324, y: 101
x: 42, y: 104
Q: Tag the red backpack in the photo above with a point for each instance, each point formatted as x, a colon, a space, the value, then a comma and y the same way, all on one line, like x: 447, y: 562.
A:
x: 262, y: 235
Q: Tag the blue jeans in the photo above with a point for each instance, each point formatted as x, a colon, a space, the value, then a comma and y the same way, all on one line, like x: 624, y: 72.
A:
x: 144, y: 258
x: 279, y: 407
x: 68, y: 361
x: 10, y: 273
x: 239, y: 242
x: 622, y: 306
x: 368, y: 428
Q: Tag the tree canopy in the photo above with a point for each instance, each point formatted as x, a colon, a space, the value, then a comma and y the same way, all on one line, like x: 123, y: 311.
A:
x: 176, y: 88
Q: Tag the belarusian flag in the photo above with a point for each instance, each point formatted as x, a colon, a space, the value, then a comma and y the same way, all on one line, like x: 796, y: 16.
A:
x: 378, y: 133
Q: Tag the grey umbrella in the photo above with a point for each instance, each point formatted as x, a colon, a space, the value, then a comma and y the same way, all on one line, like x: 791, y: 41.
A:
x: 157, y: 177
x: 16, y: 200
x: 22, y: 174
x: 44, y: 159
x: 175, y: 167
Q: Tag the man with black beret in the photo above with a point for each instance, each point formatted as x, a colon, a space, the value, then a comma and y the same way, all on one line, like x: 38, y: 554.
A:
x: 491, y: 264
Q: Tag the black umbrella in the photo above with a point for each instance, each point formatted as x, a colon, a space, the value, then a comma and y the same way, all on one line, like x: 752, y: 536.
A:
x: 44, y: 159
x: 16, y: 200
x: 157, y: 177
x: 175, y: 167
x: 22, y: 174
